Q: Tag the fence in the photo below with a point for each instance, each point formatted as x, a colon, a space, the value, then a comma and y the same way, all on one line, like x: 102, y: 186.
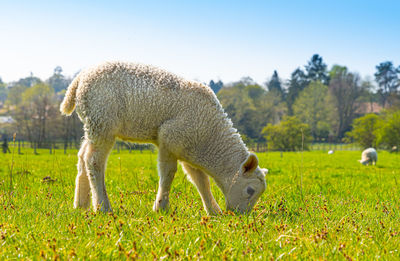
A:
x: 128, y: 146
x: 20, y: 145
x: 263, y: 147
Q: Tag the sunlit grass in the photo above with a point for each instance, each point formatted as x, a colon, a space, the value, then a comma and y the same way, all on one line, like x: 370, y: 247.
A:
x: 316, y: 206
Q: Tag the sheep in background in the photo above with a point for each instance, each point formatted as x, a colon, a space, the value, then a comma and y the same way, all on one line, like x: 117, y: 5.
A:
x: 369, y: 156
x: 141, y: 103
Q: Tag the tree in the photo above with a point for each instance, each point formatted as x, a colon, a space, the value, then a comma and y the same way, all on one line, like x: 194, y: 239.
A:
x: 58, y: 81
x: 255, y: 92
x: 274, y: 85
x: 314, y: 107
x: 365, y: 130
x: 298, y: 81
x: 28, y: 81
x: 317, y: 70
x: 37, y: 114
x: 388, y: 81
x: 345, y: 89
x: 389, y: 132
x: 3, y: 92
x: 273, y: 108
x: 14, y: 96
x: 216, y: 86
x: 369, y: 94
x: 289, y: 135
x: 251, y: 107
x: 246, y: 80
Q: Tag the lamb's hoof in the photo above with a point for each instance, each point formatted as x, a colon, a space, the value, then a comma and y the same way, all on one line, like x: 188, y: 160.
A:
x: 103, y: 208
x: 215, y: 211
x: 161, y: 205
x: 82, y: 205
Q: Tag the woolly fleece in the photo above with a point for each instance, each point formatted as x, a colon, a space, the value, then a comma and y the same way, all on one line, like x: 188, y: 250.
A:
x: 369, y: 156
x: 142, y: 103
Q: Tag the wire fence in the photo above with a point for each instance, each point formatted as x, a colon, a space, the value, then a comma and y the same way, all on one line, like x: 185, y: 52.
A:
x: 120, y: 146
x: 263, y: 147
x: 19, y: 146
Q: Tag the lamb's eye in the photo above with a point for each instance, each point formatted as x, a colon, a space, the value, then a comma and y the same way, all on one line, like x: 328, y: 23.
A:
x: 250, y: 191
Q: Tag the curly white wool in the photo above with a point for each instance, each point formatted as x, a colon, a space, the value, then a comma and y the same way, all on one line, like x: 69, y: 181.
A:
x: 369, y: 156
x: 142, y: 103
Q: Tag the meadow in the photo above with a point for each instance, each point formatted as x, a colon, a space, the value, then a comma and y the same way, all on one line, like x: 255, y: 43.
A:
x: 316, y: 206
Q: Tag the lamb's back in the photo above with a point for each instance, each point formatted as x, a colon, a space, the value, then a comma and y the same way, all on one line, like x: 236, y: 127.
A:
x: 136, y: 98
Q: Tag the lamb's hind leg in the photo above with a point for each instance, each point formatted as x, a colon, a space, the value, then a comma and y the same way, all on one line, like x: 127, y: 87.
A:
x: 82, y: 187
x: 167, y: 166
x: 202, y: 183
x: 96, y: 160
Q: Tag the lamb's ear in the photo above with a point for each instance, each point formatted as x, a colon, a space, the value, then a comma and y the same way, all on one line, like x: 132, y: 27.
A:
x: 250, y: 164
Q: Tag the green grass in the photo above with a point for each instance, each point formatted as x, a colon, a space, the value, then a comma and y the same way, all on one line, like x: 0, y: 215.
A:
x: 316, y: 206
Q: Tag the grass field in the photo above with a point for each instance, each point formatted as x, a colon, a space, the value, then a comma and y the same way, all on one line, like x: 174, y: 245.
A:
x: 316, y: 206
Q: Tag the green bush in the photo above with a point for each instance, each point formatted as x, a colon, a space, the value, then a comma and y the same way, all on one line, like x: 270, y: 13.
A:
x: 373, y: 130
x: 389, y: 133
x: 365, y: 131
x: 289, y: 135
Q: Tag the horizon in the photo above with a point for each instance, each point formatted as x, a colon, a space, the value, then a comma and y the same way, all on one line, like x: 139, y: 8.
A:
x: 204, y: 41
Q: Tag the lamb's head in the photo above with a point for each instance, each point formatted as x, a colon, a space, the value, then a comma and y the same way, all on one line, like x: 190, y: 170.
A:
x: 247, y: 186
x: 364, y: 161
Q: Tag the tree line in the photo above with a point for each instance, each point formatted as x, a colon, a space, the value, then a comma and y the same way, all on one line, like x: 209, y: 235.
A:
x: 321, y: 104
x: 33, y: 105
x: 314, y: 104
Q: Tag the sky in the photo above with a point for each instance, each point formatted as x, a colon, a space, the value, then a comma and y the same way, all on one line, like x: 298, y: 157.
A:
x: 199, y: 40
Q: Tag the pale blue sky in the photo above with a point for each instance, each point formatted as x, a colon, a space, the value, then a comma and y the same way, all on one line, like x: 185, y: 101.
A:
x: 200, y: 40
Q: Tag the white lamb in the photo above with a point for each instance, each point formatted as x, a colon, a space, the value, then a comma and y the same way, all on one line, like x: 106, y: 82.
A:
x: 369, y: 156
x: 184, y: 119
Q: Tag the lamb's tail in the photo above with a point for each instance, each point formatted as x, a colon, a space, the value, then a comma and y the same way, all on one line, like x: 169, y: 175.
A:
x: 68, y: 104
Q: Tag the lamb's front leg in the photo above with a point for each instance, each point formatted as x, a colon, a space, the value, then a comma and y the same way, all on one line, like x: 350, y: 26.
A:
x: 166, y: 171
x: 202, y: 183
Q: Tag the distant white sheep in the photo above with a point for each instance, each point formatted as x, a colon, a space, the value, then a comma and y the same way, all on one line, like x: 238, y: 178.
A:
x: 141, y: 103
x: 369, y: 156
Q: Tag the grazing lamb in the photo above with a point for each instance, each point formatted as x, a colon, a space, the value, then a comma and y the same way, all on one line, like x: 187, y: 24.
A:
x: 369, y: 156
x: 141, y: 103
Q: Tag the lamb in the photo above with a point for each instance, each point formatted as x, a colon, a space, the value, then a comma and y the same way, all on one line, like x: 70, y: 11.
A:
x: 369, y: 156
x: 184, y: 119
